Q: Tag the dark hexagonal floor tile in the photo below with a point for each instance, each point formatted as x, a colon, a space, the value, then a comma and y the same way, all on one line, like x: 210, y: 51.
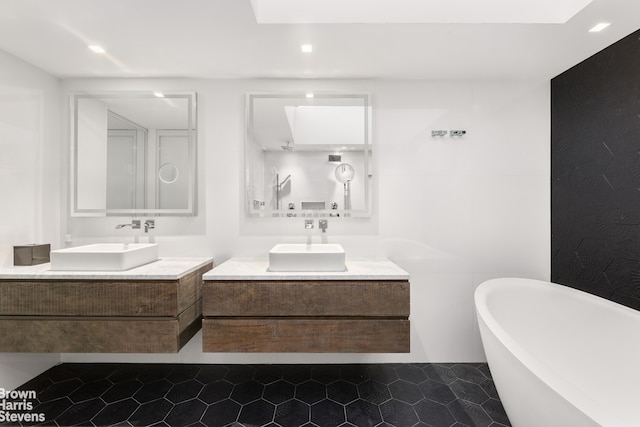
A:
x: 182, y: 373
x: 495, y: 410
x: 292, y: 413
x: 327, y: 413
x: 325, y: 374
x: 405, y: 391
x: 155, y: 372
x: 311, y: 392
x: 216, y: 391
x: 152, y: 391
x: 398, y: 413
x: 469, y: 372
x: 489, y: 387
x: 125, y: 372
x: 59, y: 390
x: 297, y: 374
x: 469, y: 413
x: 211, y: 373
x: 87, y: 373
x: 240, y: 373
x: 186, y: 413
x: 90, y: 390
x: 342, y: 392
x: 259, y: 412
x: 151, y: 412
x: 363, y: 414
x: 66, y: 371
x: 385, y: 374
x: 433, y: 413
x: 81, y: 413
x: 469, y: 391
x: 40, y: 382
x: 437, y: 391
x: 53, y: 408
x: 440, y: 372
x: 247, y: 392
x: 374, y: 392
x: 279, y: 391
x: 484, y: 368
x: 411, y: 374
x: 266, y: 374
x: 221, y: 413
x: 122, y: 390
x: 184, y: 391
x: 115, y: 413
x: 355, y: 374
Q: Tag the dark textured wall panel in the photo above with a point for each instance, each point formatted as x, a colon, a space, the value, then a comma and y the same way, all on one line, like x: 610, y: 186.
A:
x: 595, y: 174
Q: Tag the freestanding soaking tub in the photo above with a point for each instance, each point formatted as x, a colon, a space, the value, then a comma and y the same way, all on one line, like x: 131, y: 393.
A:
x: 559, y: 356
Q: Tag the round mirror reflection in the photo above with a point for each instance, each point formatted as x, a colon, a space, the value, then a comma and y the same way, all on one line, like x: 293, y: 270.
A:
x: 168, y: 173
x: 345, y: 172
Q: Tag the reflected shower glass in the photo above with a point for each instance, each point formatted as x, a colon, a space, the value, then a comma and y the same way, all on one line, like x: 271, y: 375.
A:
x: 133, y: 153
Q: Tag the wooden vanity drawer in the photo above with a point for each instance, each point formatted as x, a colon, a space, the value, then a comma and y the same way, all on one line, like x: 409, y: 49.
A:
x: 100, y: 297
x: 306, y: 298
x: 77, y: 334
x: 307, y: 335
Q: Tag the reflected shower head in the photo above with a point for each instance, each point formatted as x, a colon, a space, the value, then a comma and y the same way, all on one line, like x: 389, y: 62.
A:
x: 288, y: 147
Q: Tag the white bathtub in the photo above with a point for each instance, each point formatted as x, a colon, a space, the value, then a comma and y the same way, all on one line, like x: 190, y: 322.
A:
x: 559, y: 356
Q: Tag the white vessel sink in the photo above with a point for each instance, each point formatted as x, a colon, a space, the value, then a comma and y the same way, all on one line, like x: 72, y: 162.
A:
x: 104, y: 257
x: 302, y: 257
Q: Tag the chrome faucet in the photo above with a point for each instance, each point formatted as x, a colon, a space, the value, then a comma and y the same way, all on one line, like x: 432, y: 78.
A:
x: 149, y: 224
x: 308, y: 224
x: 323, y: 224
x: 135, y: 225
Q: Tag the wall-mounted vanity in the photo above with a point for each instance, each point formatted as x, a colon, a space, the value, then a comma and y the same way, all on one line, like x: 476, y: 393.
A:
x: 133, y: 153
x: 364, y: 309
x: 154, y: 308
x: 308, y: 153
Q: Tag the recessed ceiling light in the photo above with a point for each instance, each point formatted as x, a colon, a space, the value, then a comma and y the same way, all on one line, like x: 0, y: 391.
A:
x: 306, y: 48
x: 158, y: 94
x: 309, y: 94
x: 601, y: 26
x: 97, y: 49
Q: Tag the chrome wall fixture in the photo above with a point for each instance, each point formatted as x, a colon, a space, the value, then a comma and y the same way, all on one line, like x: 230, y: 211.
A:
x: 452, y: 133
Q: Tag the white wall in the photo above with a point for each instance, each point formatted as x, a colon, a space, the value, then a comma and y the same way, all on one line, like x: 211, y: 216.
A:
x: 452, y: 211
x: 30, y: 130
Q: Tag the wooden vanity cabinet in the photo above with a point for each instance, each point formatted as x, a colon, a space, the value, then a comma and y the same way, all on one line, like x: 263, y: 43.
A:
x: 48, y: 315
x: 311, y: 316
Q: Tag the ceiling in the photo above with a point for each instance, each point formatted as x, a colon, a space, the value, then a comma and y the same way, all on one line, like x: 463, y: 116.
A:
x: 221, y: 39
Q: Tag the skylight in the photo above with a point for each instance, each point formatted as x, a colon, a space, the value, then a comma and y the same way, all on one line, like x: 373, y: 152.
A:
x: 416, y: 11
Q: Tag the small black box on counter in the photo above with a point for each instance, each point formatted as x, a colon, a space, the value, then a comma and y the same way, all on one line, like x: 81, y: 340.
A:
x: 31, y: 254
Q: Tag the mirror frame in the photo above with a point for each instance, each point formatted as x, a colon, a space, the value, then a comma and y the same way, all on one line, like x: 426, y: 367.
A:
x: 191, y: 208
x: 365, y: 211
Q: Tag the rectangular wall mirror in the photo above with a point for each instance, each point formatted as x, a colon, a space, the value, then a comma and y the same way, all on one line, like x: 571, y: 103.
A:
x: 133, y: 153
x: 308, y: 154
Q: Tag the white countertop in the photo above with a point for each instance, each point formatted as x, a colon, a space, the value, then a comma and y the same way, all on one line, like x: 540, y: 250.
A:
x: 163, y: 269
x: 258, y: 269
